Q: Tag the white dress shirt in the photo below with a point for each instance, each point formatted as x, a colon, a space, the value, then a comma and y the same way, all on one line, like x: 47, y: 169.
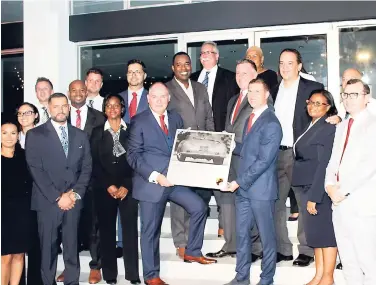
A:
x: 108, y: 126
x: 139, y: 94
x: 83, y: 114
x: 97, y: 102
x: 258, y: 113
x: 284, y: 109
x: 188, y: 91
x: 243, y: 94
x: 212, y: 75
x: 21, y: 139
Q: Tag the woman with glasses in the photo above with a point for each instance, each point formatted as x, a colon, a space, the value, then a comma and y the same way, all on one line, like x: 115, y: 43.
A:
x: 312, y: 152
x: 112, y: 188
x: 28, y: 118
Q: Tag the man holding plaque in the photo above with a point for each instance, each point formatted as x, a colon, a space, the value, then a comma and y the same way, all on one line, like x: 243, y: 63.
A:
x: 256, y: 186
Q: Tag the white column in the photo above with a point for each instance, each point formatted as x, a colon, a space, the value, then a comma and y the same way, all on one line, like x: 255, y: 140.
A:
x: 47, y: 49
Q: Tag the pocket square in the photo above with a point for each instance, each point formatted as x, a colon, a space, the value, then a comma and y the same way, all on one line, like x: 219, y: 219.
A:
x: 80, y: 146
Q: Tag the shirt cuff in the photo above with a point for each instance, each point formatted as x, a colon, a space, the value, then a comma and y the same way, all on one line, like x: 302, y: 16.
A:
x: 153, y: 177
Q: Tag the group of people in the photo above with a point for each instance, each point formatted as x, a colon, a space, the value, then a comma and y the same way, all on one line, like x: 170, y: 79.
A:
x: 83, y: 160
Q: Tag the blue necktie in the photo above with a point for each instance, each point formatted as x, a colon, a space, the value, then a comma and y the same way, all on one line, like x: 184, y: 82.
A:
x: 64, y: 139
x: 206, y: 79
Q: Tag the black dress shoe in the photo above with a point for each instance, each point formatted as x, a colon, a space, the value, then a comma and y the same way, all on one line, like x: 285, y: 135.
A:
x: 339, y: 266
x: 281, y: 257
x: 220, y: 254
x: 303, y: 260
x: 137, y: 281
x: 112, y: 282
x: 256, y: 257
x: 119, y: 252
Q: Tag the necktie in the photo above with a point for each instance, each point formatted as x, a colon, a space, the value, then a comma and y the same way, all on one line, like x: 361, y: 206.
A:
x: 206, y: 79
x: 91, y: 103
x: 250, y: 122
x: 78, y: 119
x: 351, y: 121
x: 163, y: 125
x: 237, y: 107
x: 46, y: 116
x: 64, y: 139
x: 133, y: 105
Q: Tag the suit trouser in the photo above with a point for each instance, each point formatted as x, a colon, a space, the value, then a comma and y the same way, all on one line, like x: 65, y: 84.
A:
x: 49, y: 222
x: 107, y: 210
x: 180, y: 218
x: 284, y: 245
x: 151, y: 215
x: 248, y: 213
x: 356, y: 240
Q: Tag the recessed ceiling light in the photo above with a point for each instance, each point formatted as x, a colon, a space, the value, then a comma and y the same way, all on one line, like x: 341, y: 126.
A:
x: 232, y: 51
x: 119, y: 77
x: 166, y: 56
x: 110, y: 75
x: 311, y: 62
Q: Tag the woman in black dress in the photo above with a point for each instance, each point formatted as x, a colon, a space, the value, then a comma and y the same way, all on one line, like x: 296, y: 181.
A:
x: 112, y: 188
x: 312, y: 154
x: 15, y: 204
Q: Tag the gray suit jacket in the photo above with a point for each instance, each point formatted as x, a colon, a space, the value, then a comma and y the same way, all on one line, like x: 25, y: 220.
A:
x: 198, y: 117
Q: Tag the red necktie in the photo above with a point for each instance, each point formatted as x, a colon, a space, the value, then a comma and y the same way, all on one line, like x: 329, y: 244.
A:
x: 133, y: 105
x: 78, y: 119
x: 163, y: 125
x: 250, y: 122
x: 351, y: 121
x: 237, y: 107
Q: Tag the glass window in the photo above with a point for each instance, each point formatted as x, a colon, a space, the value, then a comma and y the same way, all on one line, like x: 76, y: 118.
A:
x: 11, y: 11
x: 312, y: 49
x: 112, y: 60
x: 12, y: 76
x: 358, y: 50
x: 85, y: 7
x: 139, y: 3
x: 230, y: 51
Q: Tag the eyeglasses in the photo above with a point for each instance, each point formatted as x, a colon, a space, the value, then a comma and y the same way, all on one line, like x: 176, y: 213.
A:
x: 207, y: 52
x: 352, y: 95
x: 137, y: 72
x: 27, y: 113
x: 316, y: 104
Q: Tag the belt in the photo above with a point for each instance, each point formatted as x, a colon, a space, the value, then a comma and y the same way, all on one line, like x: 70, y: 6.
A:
x: 283, y: 147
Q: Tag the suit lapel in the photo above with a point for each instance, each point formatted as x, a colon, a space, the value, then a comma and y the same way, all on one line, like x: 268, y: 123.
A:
x: 143, y: 104
x: 71, y: 139
x: 90, y: 120
x: 217, y: 83
x: 158, y: 127
x: 55, y: 140
x: 311, y: 133
x: 181, y: 93
x: 242, y: 106
x: 195, y: 95
x: 256, y: 125
x: 300, y: 104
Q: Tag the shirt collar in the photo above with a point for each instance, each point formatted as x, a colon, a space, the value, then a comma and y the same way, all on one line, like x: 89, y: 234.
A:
x: 182, y: 85
x: 213, y: 70
x: 294, y: 85
x: 57, y: 126
x: 82, y: 109
x: 108, y: 126
x: 139, y: 91
x: 157, y: 115
x: 259, y: 111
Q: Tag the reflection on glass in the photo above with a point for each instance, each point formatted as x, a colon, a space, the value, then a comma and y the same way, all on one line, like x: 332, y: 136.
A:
x: 358, y: 50
x: 139, y: 3
x: 112, y: 60
x: 230, y: 51
x: 312, y: 49
x: 85, y: 7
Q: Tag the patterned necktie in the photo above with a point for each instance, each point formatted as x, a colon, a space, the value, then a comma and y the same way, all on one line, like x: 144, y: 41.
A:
x: 133, y: 105
x: 91, y: 103
x: 118, y: 149
x: 250, y: 122
x: 78, y: 119
x: 64, y: 140
x: 163, y: 125
x: 46, y: 116
x: 206, y: 79
x: 351, y: 121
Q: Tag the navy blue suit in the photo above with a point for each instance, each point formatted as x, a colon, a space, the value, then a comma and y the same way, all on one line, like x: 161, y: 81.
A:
x: 149, y: 149
x: 255, y: 198
x: 142, y: 105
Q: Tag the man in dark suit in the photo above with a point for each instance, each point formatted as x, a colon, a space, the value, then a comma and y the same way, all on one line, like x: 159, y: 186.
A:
x: 256, y: 185
x: 151, y: 139
x: 58, y: 156
x: 190, y: 100
x: 135, y: 96
x: 85, y: 118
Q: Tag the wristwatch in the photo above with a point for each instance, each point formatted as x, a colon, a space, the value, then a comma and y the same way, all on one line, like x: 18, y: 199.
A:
x: 76, y: 195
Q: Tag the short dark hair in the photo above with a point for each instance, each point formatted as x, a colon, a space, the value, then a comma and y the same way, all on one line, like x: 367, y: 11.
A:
x: 43, y: 79
x: 108, y: 97
x: 9, y: 118
x: 180, y: 53
x: 246, y: 60
x: 299, y: 58
x: 140, y: 62
x: 366, y: 88
x: 57, y: 95
x: 95, y: 71
x: 261, y: 81
x: 35, y: 110
x: 329, y: 98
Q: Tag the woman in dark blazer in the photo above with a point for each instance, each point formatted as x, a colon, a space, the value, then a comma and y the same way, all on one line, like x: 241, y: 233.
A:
x: 312, y: 153
x: 112, y: 188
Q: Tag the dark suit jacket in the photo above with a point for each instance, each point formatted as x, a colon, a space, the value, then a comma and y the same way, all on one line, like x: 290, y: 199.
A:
x: 108, y: 169
x: 301, y: 117
x: 312, y: 155
x: 257, y: 174
x: 148, y: 151
x: 142, y: 105
x: 54, y: 173
x: 200, y: 116
x: 225, y: 87
x: 94, y: 119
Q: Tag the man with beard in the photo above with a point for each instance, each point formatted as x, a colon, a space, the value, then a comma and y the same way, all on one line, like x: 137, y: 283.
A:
x: 190, y: 100
x: 58, y: 156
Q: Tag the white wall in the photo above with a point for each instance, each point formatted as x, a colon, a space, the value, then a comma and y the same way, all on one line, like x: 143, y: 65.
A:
x: 47, y: 49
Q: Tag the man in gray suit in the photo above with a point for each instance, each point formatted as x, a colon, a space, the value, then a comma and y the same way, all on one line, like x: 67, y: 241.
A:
x: 190, y: 99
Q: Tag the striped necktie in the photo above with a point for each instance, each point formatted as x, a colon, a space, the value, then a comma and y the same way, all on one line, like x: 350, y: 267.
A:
x: 206, y: 79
